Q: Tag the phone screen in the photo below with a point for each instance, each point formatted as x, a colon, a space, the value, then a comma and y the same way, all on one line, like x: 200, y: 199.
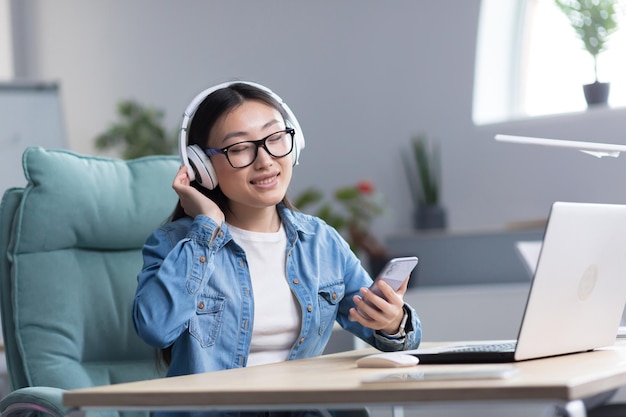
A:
x: 394, y: 273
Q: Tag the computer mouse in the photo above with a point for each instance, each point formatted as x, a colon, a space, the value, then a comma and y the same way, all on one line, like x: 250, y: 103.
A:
x: 387, y: 360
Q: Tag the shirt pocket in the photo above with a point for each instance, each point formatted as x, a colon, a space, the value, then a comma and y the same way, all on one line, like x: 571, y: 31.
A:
x: 205, y: 325
x: 328, y: 298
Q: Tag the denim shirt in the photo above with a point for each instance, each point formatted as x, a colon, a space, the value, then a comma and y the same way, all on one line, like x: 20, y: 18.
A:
x: 194, y: 293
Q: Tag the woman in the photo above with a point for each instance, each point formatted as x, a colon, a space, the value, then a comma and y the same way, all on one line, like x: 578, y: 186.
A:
x: 238, y: 277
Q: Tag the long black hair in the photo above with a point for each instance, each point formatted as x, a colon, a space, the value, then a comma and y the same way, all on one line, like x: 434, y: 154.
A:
x: 214, y: 106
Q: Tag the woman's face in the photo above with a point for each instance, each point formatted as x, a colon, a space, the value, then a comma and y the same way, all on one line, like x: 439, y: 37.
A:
x: 263, y: 183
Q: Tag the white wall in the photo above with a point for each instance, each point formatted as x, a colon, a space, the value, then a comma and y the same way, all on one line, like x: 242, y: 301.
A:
x: 6, y: 49
x: 362, y: 76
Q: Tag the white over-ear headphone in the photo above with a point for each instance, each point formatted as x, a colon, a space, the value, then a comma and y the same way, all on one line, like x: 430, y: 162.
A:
x: 198, y: 165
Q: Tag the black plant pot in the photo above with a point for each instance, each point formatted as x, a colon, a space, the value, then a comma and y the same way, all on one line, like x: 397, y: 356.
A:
x: 430, y: 217
x: 597, y: 94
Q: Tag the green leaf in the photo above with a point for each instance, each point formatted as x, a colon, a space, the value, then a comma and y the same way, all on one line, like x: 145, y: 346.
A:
x: 308, y: 197
x: 424, y: 171
x: 346, y: 194
x: 593, y: 22
x: 139, y: 131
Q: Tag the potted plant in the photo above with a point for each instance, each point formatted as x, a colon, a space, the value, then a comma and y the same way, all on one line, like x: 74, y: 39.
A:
x: 139, y: 132
x: 422, y: 166
x: 594, y: 21
x: 351, y: 211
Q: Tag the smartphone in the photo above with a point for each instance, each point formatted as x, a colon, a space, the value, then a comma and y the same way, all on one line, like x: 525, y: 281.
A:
x: 394, y: 273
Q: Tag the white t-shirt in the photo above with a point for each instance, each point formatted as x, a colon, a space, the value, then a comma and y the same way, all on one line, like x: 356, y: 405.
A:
x: 276, y: 312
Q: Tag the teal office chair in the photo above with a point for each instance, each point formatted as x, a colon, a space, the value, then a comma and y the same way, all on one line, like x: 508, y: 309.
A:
x: 70, y: 250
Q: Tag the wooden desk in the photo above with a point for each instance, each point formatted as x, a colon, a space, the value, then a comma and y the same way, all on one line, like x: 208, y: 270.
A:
x: 334, y: 381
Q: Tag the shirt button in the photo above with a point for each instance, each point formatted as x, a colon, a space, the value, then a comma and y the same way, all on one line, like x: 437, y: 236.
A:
x: 202, y: 259
x: 296, y: 281
x: 201, y: 305
x: 302, y: 340
x: 309, y: 308
x: 334, y: 296
x: 220, y: 234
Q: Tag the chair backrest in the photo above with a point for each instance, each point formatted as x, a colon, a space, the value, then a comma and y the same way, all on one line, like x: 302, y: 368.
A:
x: 70, y: 243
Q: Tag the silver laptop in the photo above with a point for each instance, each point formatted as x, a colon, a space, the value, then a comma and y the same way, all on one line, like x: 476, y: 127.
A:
x: 577, y: 295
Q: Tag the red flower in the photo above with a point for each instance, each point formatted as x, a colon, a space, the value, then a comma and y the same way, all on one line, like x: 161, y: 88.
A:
x: 365, y: 187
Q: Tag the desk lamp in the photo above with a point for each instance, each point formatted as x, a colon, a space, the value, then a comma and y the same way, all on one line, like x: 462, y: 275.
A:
x: 595, y: 149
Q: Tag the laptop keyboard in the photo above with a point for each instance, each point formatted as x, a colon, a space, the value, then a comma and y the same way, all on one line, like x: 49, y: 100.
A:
x: 492, y: 347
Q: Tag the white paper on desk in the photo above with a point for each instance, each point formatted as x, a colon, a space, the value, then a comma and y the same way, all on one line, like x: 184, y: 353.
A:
x: 453, y: 373
x: 529, y: 251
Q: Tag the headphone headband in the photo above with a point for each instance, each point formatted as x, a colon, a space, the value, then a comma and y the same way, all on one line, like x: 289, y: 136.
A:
x: 193, y: 154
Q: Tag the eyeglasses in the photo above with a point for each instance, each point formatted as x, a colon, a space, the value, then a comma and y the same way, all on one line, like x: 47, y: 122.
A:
x: 243, y: 154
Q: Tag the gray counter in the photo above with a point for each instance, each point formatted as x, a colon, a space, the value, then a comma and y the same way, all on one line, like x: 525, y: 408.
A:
x: 464, y: 258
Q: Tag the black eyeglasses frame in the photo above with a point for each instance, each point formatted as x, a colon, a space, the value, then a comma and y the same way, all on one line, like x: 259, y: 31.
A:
x: 258, y: 143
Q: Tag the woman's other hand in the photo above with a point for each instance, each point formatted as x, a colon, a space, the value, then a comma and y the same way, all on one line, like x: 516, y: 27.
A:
x: 193, y: 201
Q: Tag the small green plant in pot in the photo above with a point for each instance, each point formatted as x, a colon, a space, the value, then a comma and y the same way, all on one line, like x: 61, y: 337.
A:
x: 593, y: 21
x: 422, y: 165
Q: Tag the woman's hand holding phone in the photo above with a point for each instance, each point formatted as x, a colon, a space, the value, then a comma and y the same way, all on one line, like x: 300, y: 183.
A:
x: 380, y: 306
x: 193, y: 201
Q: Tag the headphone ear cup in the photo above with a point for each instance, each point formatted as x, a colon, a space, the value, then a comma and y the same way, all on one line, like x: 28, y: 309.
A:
x: 298, y: 144
x: 202, y: 167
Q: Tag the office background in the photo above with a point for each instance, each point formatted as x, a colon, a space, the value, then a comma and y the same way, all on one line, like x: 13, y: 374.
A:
x: 362, y: 76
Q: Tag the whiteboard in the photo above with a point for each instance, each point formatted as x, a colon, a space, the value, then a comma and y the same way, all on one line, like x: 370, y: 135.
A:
x: 30, y: 115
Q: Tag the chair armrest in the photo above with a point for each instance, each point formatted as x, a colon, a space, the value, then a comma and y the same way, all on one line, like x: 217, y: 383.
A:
x: 34, y: 401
